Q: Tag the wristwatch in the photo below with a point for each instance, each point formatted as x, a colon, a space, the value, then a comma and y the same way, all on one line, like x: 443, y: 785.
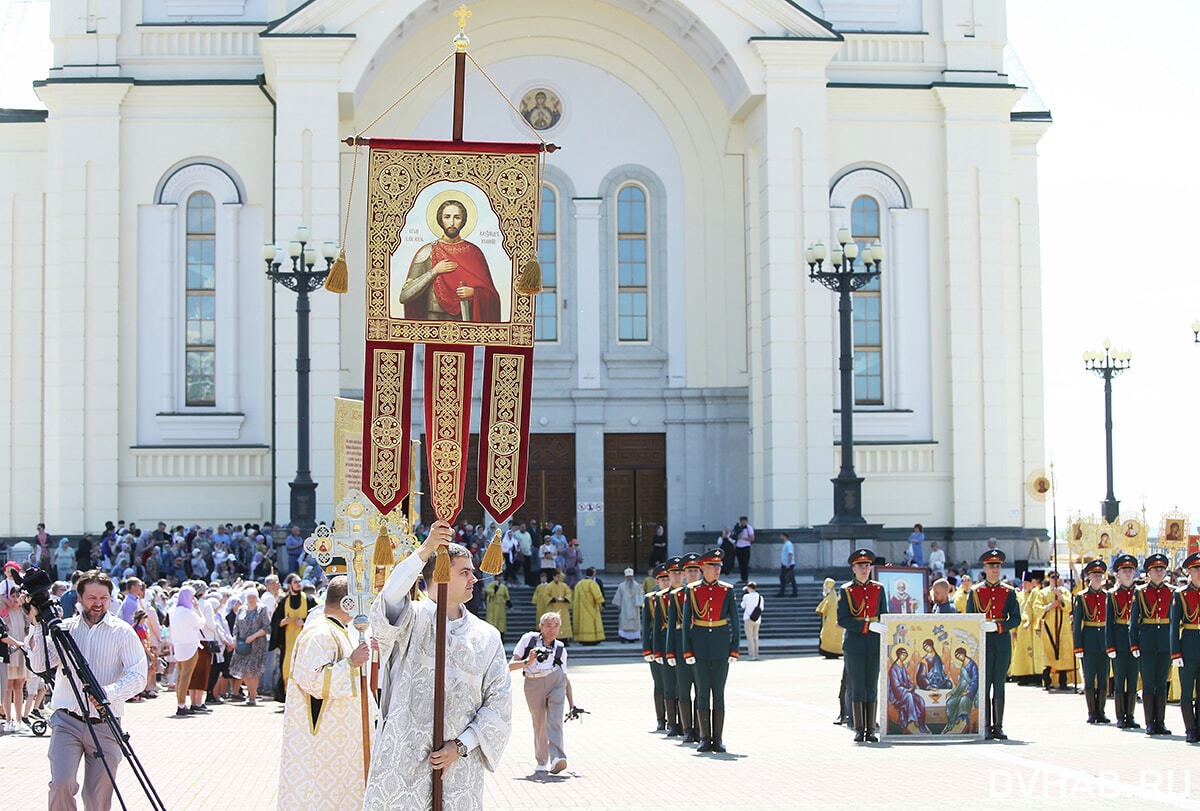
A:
x: 461, y: 747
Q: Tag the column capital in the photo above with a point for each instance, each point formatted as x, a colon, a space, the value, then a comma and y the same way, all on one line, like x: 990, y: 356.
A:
x: 84, y: 97
x: 303, y: 58
x: 795, y: 60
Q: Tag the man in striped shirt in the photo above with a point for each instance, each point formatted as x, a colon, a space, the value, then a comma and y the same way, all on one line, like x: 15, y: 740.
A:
x: 115, y: 655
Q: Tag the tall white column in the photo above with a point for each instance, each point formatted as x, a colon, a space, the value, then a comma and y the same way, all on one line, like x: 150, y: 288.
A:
x: 794, y: 409
x: 82, y: 299
x: 303, y: 74
x: 587, y: 299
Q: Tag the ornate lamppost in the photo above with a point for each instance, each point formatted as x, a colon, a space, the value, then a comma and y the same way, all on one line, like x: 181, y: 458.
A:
x: 1196, y: 331
x: 302, y: 279
x: 1108, y: 364
x: 844, y: 279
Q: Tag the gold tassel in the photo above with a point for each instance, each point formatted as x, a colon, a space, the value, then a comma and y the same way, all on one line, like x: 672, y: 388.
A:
x: 530, y: 279
x: 338, y: 280
x: 441, y: 568
x: 383, y: 547
x: 493, y: 558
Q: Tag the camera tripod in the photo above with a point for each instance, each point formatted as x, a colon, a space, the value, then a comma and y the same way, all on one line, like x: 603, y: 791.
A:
x: 73, y: 663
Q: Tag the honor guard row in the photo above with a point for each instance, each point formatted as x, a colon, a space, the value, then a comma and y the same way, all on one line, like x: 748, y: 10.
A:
x: 690, y: 635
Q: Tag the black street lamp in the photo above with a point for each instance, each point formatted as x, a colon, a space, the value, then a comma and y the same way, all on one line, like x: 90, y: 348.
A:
x: 303, y: 280
x: 844, y: 279
x: 1108, y: 364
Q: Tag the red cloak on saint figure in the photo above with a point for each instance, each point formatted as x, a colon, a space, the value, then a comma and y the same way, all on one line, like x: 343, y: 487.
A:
x: 472, y: 271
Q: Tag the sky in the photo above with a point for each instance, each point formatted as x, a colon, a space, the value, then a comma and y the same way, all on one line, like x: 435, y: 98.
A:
x: 1118, y: 189
x: 1118, y: 178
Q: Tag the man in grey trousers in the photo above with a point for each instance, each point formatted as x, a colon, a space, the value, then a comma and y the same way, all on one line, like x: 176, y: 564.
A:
x: 542, y: 658
x: 115, y: 655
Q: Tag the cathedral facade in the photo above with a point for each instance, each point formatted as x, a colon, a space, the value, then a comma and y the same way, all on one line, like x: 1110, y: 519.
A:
x: 686, y: 367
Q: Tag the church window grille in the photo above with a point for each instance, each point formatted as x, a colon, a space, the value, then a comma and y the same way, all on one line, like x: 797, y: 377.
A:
x: 545, y: 320
x: 200, y: 349
x: 868, y: 317
x: 633, y: 290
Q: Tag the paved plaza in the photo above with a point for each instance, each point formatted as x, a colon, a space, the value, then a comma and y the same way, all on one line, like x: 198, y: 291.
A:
x: 783, y: 753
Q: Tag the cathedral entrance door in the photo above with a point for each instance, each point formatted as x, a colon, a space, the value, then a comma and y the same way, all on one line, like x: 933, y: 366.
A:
x: 635, y: 496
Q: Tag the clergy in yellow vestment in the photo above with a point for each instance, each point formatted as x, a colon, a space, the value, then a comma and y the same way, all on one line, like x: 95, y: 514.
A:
x: 964, y: 591
x: 1025, y: 662
x: 1052, y: 612
x: 832, y: 634
x: 649, y: 584
x: 322, y: 765
x: 588, y: 600
x: 290, y: 613
x: 559, y: 595
x: 541, y: 599
x: 498, y: 603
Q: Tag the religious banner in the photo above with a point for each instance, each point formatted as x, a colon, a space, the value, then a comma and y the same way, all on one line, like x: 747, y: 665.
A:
x: 451, y: 230
x: 931, y: 680
x: 907, y: 588
x: 347, y: 450
x: 1130, y: 535
x: 1173, y: 531
x: 1083, y: 538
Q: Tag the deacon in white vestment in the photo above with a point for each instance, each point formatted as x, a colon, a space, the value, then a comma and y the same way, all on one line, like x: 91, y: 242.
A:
x: 322, y: 764
x: 629, y: 603
x: 478, y: 714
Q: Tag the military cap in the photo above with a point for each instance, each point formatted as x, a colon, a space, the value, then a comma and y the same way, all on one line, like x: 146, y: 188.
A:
x: 712, y: 557
x: 691, y: 561
x: 1191, y: 560
x: 1157, y: 559
x: 1094, y: 567
x: 660, y: 570
x: 861, y: 556
x: 675, y: 565
x: 992, y: 556
x: 1125, y: 561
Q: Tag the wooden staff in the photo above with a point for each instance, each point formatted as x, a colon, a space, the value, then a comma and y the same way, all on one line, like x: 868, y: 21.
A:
x: 366, y: 707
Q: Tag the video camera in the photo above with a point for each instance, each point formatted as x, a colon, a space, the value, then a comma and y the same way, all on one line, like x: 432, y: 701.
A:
x: 36, y: 583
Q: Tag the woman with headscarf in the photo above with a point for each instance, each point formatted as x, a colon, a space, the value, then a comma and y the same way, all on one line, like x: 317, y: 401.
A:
x: 185, y: 626
x: 251, y: 630
x: 199, y: 566
x: 64, y: 559
x: 573, y: 562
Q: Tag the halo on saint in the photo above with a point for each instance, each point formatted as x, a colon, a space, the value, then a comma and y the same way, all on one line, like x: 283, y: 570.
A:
x: 460, y: 197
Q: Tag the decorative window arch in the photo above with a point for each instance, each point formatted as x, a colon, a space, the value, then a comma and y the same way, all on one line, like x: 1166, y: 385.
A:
x: 633, y: 263
x: 545, y: 321
x: 861, y: 198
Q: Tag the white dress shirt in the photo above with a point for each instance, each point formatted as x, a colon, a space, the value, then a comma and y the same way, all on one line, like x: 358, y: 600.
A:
x: 111, y: 649
x: 750, y: 601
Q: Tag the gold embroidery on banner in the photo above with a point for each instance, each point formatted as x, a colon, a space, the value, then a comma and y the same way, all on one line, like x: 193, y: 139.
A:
x: 387, y: 372
x: 504, y: 435
x: 396, y: 178
x: 446, y: 452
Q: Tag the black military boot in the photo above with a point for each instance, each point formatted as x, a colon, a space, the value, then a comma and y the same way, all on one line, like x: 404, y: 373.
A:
x: 673, y: 728
x: 1149, y: 713
x: 998, y: 719
x: 1089, y: 695
x: 705, y: 731
x: 869, y: 710
x: 1101, y: 700
x: 718, y: 727
x: 1130, y: 708
x: 1160, y: 714
x: 660, y: 711
x: 1119, y: 709
x: 1188, y: 711
x: 860, y: 731
x: 685, y: 721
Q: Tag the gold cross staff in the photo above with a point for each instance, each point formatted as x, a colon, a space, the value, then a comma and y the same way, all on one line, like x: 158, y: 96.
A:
x: 462, y: 14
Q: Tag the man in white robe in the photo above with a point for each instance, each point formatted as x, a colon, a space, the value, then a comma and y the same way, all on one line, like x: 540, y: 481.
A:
x: 629, y: 603
x: 478, y: 712
x: 322, y: 765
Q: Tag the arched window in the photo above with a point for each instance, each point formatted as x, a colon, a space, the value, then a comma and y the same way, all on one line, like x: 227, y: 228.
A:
x: 200, y: 353
x: 633, y: 284
x: 545, y: 320
x: 868, y: 318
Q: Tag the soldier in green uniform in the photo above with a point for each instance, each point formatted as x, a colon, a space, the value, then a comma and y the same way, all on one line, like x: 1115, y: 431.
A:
x: 650, y: 621
x: 997, y: 601
x: 1150, y: 642
x: 670, y: 684
x: 1185, y: 644
x: 684, y: 672
x: 1124, y: 666
x: 861, y: 604
x: 710, y: 642
x: 1089, y: 627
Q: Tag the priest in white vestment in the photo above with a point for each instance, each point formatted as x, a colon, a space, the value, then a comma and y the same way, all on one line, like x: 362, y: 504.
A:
x: 478, y: 715
x: 629, y: 602
x: 322, y: 764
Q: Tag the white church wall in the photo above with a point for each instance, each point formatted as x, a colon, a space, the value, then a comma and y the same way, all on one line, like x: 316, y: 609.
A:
x: 22, y: 232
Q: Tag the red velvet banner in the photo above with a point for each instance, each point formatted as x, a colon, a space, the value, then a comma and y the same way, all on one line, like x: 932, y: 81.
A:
x: 448, y: 372
x: 504, y: 429
x: 387, y: 428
